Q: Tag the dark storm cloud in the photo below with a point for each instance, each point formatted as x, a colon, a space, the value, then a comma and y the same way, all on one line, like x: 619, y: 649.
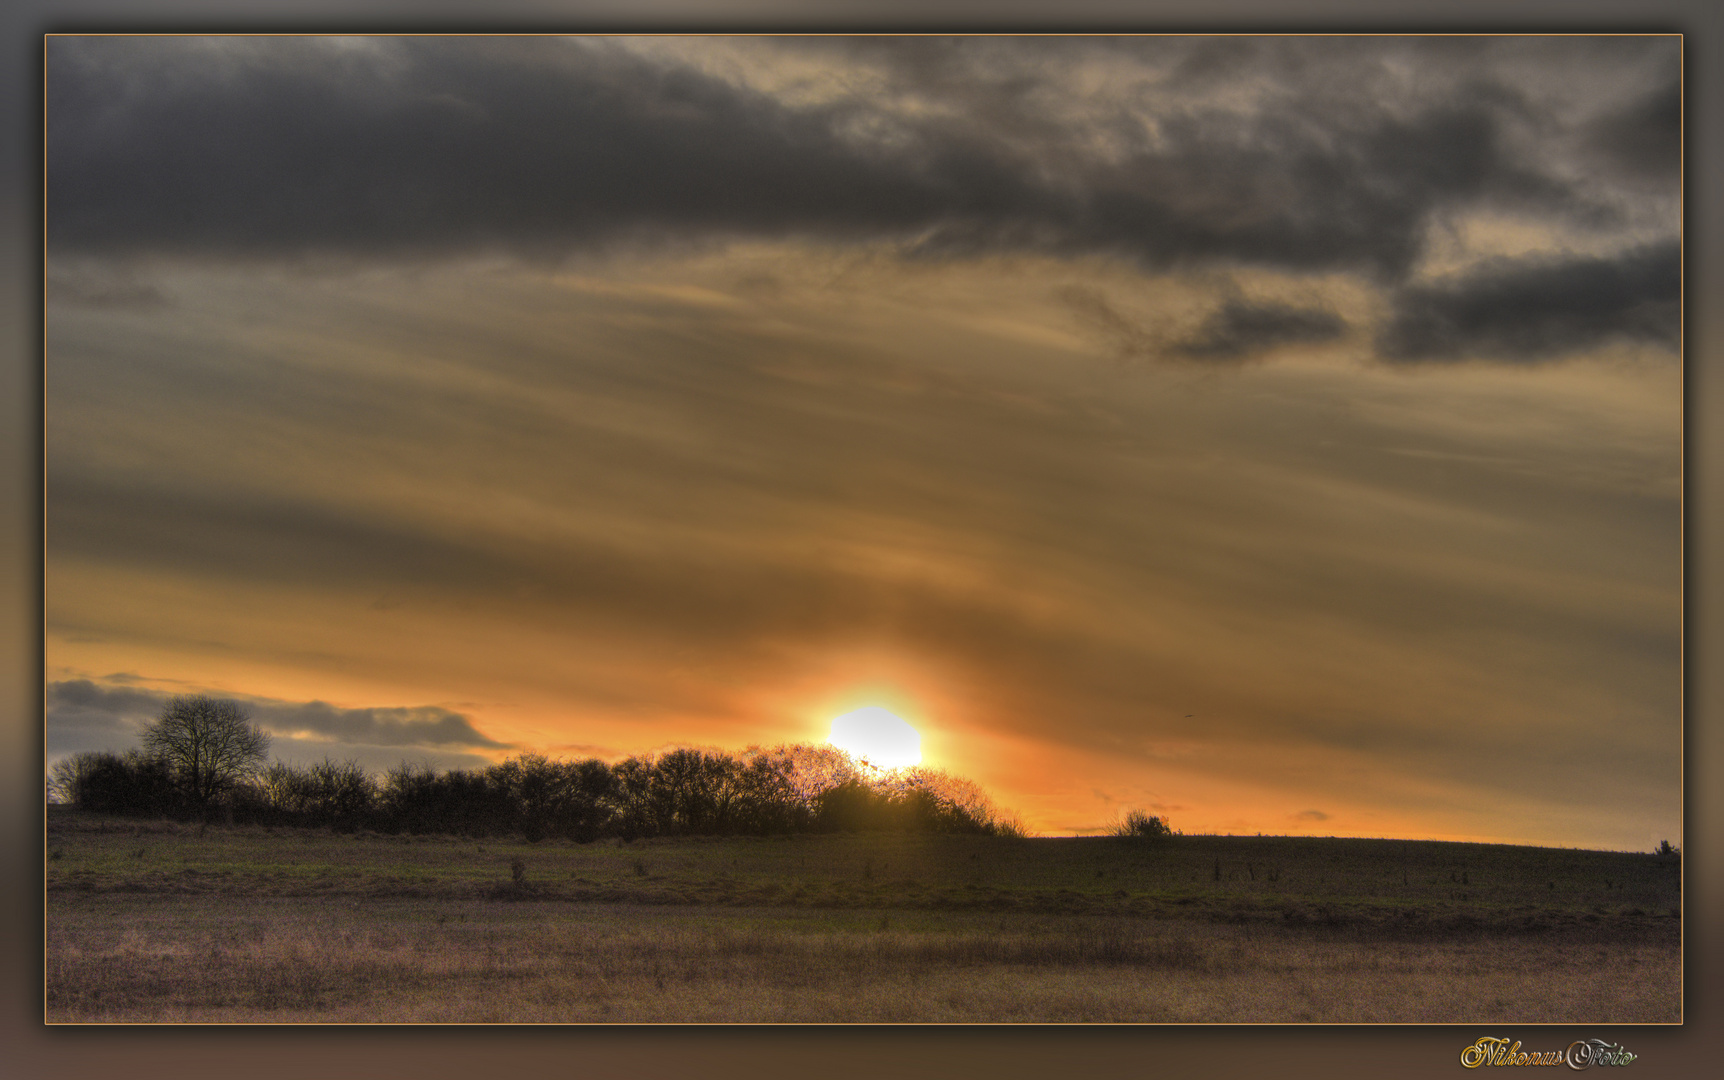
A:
x: 426, y: 725
x: 448, y: 145
x: 1241, y: 329
x: 82, y: 715
x: 1534, y: 308
x: 82, y: 695
x: 1645, y: 136
x: 273, y: 146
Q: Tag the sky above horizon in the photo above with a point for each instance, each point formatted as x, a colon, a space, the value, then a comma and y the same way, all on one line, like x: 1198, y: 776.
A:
x: 1277, y: 434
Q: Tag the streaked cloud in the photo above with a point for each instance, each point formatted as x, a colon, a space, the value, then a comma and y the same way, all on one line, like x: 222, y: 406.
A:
x: 1540, y: 307
x: 1240, y: 329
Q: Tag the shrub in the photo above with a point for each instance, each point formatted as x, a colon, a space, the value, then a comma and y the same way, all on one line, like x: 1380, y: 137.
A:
x: 1141, y: 826
x: 68, y: 778
x: 132, y: 785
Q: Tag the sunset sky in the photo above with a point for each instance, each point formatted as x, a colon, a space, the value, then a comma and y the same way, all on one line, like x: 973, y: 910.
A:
x: 1278, y: 434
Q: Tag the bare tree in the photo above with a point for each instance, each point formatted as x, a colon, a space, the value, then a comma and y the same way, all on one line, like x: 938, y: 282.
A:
x: 69, y: 778
x: 210, y: 744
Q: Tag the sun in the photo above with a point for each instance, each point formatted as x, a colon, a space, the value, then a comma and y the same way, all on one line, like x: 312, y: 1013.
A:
x: 877, y: 737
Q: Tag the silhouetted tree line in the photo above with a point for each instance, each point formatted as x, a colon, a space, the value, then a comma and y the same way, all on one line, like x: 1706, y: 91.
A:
x: 685, y: 792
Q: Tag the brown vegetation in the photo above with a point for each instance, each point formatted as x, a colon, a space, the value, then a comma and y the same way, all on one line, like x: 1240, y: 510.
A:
x: 139, y: 958
x: 164, y: 921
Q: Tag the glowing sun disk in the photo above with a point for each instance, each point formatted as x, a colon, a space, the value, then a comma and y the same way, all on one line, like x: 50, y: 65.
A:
x: 877, y: 737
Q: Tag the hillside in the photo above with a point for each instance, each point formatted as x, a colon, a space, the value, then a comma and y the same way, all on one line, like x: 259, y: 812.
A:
x: 1405, y: 886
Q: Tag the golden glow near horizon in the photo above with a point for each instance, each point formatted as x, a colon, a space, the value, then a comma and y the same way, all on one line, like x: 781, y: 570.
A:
x: 878, y: 738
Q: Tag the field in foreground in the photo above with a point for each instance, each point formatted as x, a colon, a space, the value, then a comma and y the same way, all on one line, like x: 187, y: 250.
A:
x: 162, y: 922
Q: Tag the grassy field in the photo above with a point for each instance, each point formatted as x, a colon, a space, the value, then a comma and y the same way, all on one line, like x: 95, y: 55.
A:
x: 165, y: 922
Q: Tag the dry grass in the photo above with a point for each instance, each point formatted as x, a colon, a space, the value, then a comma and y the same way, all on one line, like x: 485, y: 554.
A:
x: 143, y: 958
x: 159, y: 922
